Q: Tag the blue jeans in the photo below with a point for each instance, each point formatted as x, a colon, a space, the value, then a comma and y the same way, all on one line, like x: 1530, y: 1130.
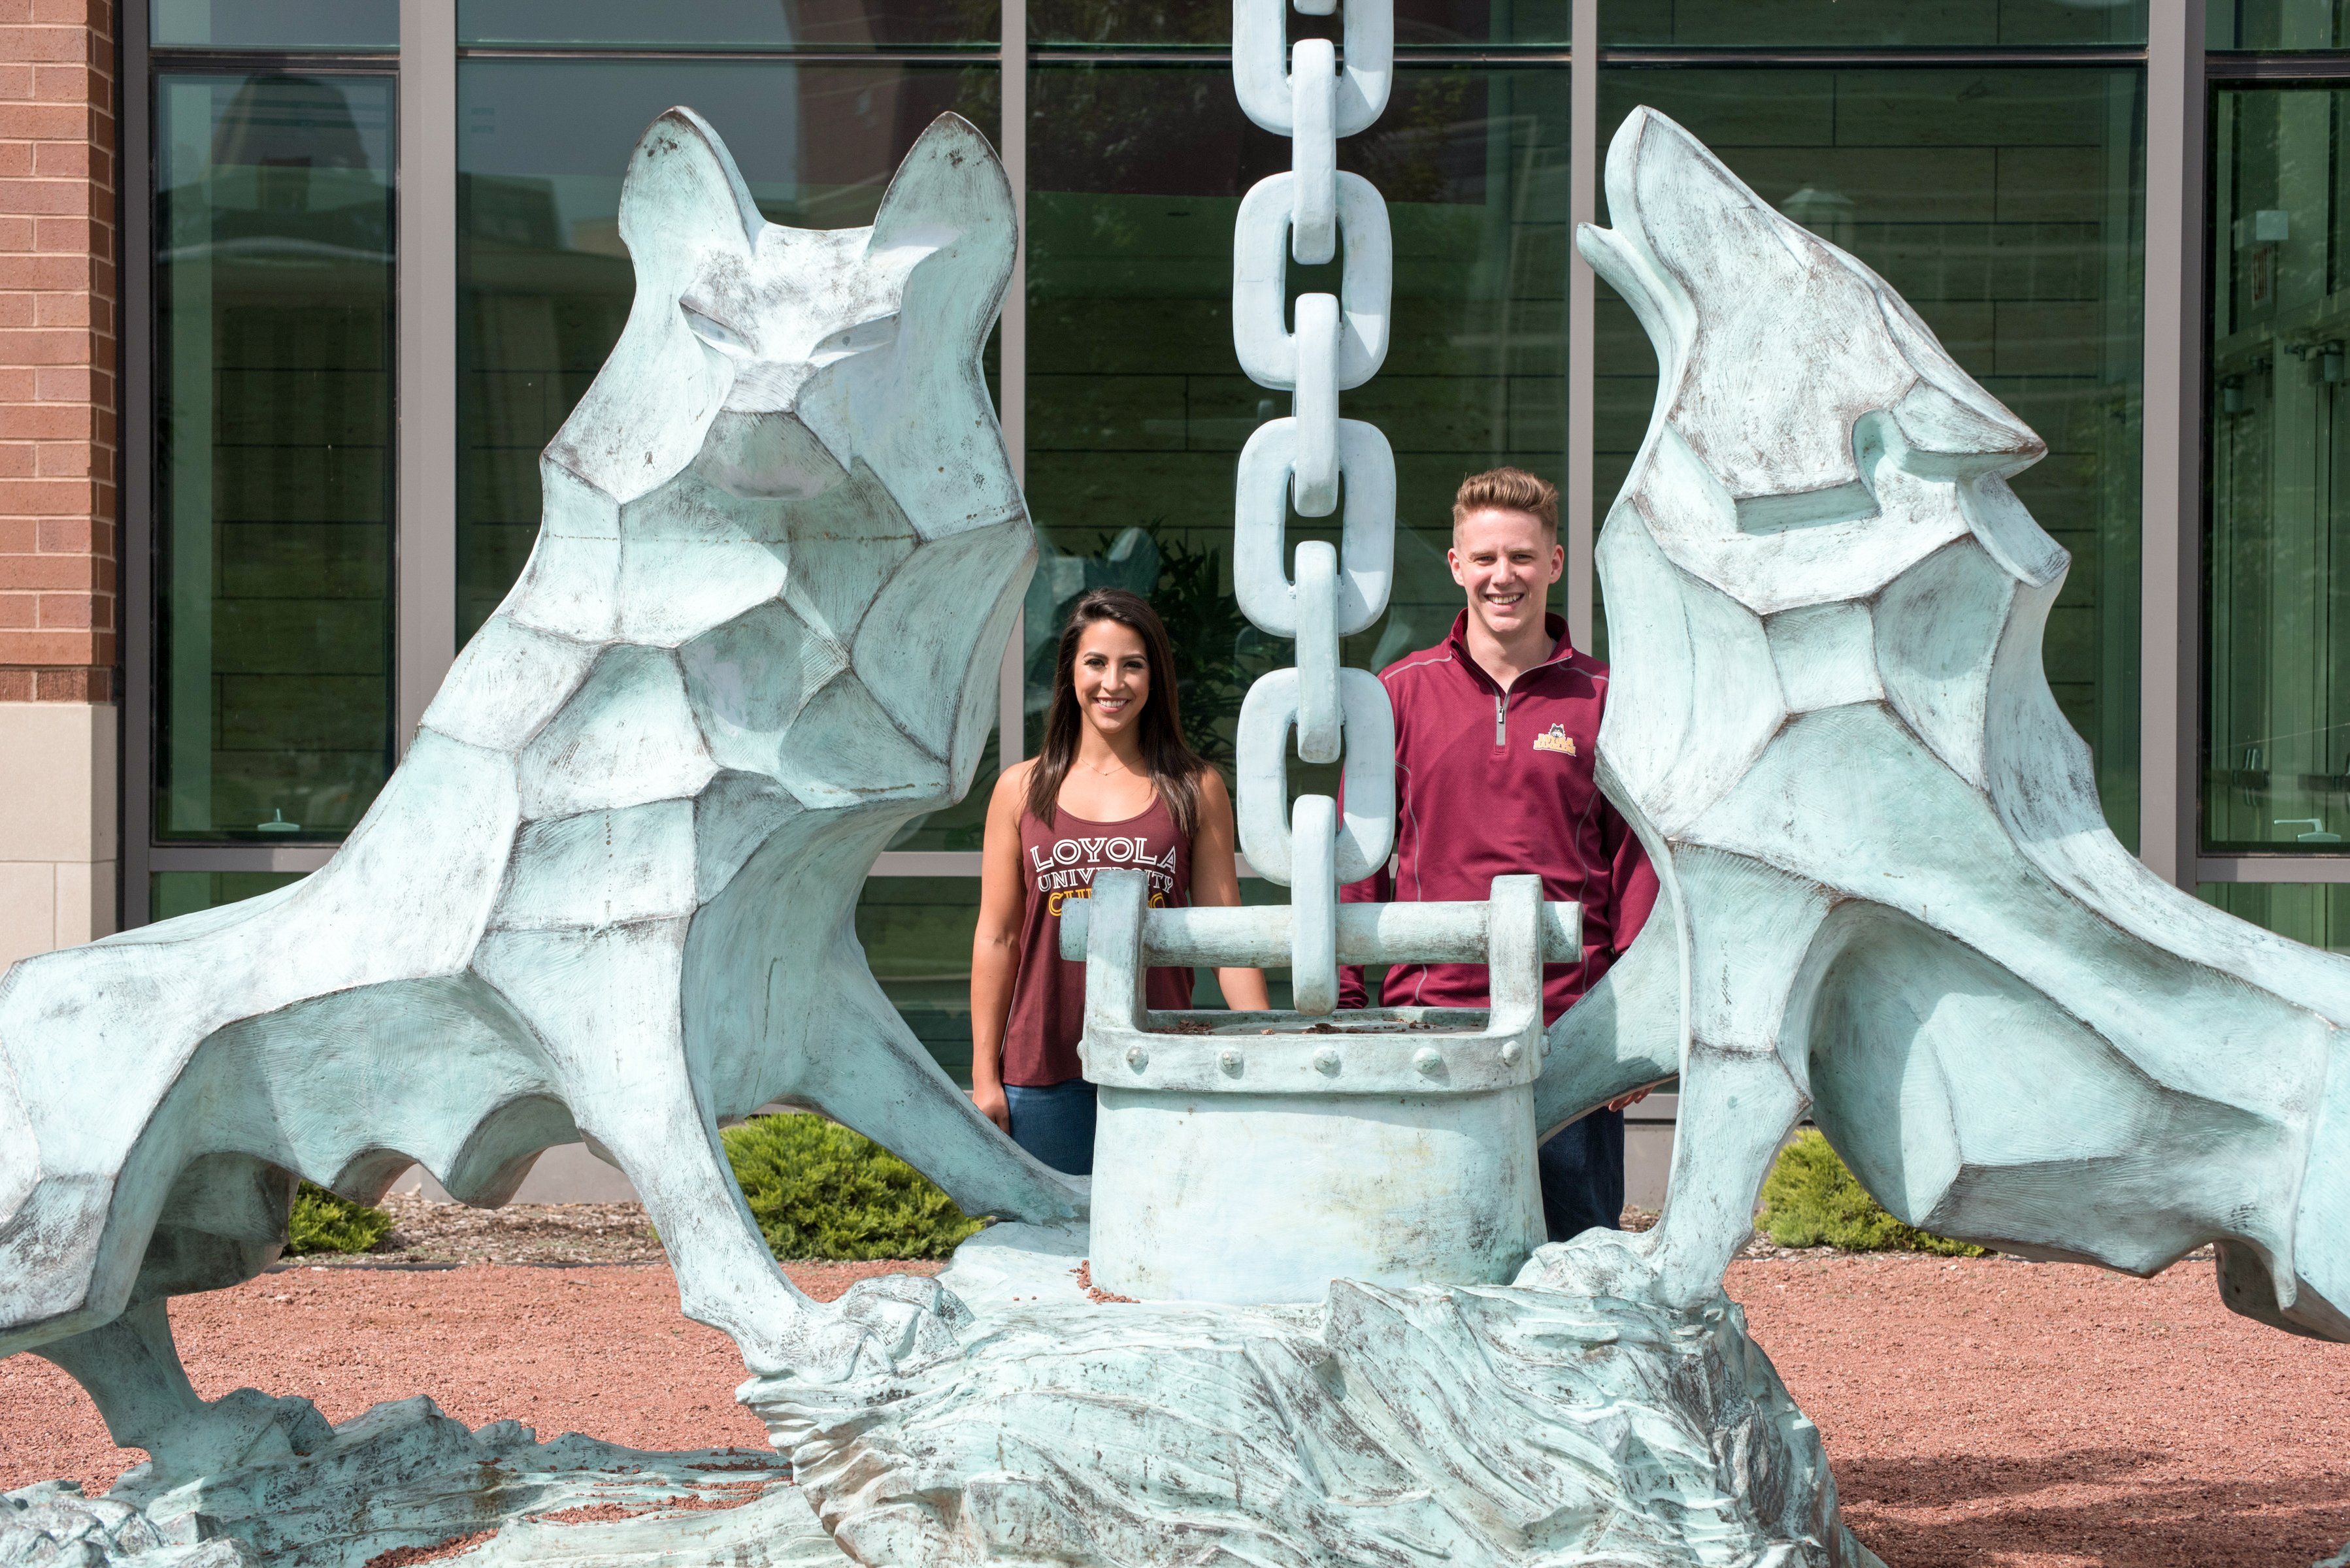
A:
x: 1055, y: 1122
x: 1583, y: 1175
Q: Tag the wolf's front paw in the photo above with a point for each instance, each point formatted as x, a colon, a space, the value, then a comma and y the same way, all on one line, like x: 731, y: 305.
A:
x: 913, y: 1315
x: 1597, y: 1264
x: 236, y: 1431
x: 1678, y: 1270
x: 817, y: 1347
x: 877, y: 1323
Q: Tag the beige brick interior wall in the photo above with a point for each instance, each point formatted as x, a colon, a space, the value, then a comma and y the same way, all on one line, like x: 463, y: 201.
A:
x: 59, y: 511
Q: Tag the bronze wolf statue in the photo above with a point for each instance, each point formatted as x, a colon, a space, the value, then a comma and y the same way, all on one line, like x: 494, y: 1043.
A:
x: 1889, y: 892
x: 609, y: 890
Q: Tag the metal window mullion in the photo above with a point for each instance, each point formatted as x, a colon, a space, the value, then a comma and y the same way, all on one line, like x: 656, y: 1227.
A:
x: 1583, y: 200
x: 234, y: 857
x: 2271, y: 869
x: 1011, y: 352
x: 2171, y: 644
x: 135, y: 605
x: 424, y: 389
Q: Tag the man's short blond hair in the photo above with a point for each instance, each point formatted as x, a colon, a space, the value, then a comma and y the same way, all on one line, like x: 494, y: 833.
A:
x: 1508, y: 490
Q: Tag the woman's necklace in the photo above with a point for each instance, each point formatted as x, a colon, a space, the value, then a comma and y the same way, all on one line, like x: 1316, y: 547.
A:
x: 1104, y: 772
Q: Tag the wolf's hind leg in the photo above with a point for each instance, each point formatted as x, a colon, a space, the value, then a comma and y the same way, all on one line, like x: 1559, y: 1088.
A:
x: 607, y: 1004
x: 725, y: 1275
x: 131, y: 1371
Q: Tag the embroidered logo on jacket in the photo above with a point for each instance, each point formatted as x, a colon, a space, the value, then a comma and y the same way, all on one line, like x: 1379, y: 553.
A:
x: 1557, y: 740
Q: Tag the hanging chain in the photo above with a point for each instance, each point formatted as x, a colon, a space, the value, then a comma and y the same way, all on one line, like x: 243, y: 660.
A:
x: 1313, y: 213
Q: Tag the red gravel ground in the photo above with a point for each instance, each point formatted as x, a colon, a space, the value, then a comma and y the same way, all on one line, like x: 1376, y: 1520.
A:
x: 595, y: 1350
x: 1987, y: 1411
x: 1983, y: 1412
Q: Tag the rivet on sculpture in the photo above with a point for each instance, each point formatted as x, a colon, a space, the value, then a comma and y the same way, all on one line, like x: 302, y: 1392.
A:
x: 609, y: 890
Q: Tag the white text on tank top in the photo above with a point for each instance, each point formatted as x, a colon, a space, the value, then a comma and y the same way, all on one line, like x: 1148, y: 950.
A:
x: 1059, y: 875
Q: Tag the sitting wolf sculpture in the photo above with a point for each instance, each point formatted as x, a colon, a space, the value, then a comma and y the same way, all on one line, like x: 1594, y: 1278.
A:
x: 610, y: 891
x: 1890, y: 892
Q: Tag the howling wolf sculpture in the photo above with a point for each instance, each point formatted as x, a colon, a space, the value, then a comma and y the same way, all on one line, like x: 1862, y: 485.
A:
x: 1890, y: 893
x: 610, y: 891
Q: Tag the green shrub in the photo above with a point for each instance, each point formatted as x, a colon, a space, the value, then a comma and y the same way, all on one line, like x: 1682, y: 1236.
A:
x: 1810, y: 1198
x: 322, y: 1222
x: 821, y: 1191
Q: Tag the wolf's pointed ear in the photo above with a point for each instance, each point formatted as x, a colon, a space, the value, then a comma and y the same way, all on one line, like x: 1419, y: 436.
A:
x: 950, y: 185
x: 683, y: 193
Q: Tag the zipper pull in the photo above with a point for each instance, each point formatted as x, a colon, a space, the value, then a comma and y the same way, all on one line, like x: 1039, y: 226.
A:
x: 1501, y: 719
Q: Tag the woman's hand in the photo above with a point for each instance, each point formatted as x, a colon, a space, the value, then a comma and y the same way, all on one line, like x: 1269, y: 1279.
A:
x: 989, y: 1098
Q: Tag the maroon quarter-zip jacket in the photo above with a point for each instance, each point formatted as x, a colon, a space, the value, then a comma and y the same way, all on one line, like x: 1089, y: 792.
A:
x: 1490, y: 782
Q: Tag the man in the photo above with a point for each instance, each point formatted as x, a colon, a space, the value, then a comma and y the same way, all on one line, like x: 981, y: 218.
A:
x: 1496, y: 729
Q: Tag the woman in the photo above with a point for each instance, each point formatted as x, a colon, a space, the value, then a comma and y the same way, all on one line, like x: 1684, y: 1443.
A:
x: 1115, y: 788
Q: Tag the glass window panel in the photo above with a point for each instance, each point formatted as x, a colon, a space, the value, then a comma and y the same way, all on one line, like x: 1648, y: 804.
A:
x: 1138, y: 410
x: 1419, y: 24
x: 171, y: 893
x: 2317, y: 913
x: 2279, y: 24
x: 2007, y: 206
x: 727, y: 23
x: 1855, y: 24
x: 2276, y: 743
x: 962, y: 825
x: 352, y: 24
x: 917, y: 933
x: 273, y: 466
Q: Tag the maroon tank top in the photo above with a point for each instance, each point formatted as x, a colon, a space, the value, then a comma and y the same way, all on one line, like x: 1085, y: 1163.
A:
x: 1057, y: 864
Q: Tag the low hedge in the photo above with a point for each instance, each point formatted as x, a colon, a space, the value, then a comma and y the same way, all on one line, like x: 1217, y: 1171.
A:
x: 322, y: 1222
x: 820, y: 1191
x: 1811, y: 1199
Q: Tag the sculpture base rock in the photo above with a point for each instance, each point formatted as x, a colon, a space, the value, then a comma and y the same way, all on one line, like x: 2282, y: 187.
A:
x: 404, y: 1475
x: 1535, y: 1423
x: 1462, y: 1425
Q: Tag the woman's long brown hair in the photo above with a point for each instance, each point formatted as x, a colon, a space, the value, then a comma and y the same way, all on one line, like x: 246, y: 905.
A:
x: 1173, y: 767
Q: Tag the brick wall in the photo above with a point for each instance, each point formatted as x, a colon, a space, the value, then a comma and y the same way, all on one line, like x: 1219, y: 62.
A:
x: 59, y: 625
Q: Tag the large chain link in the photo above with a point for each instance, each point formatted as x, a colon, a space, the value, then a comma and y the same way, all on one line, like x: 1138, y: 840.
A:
x: 1312, y: 213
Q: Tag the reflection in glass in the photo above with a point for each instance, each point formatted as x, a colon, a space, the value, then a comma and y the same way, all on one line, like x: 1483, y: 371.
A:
x: 2279, y: 24
x: 916, y: 932
x: 1204, y: 24
x: 273, y: 282
x: 2277, y: 621
x: 1845, y: 23
x: 2007, y: 206
x: 2316, y: 913
x: 727, y: 23
x: 1138, y: 410
x: 352, y: 24
x: 171, y: 893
